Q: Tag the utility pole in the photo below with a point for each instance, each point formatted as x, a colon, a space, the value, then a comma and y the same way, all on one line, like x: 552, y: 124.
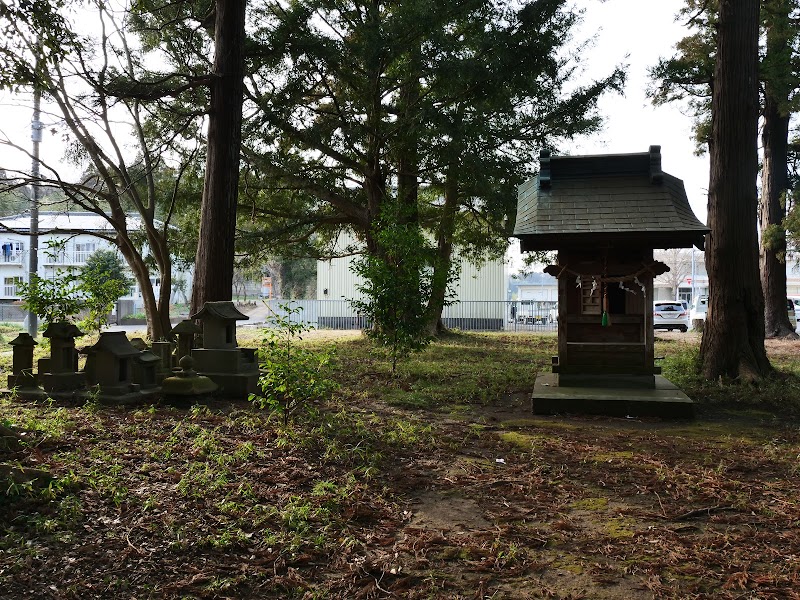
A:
x: 33, y: 255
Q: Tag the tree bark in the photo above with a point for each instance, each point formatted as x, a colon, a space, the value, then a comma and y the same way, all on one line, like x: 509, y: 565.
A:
x: 776, y: 69
x: 733, y: 340
x: 157, y: 312
x: 215, y: 250
x: 774, y: 183
x: 443, y: 258
x: 408, y: 140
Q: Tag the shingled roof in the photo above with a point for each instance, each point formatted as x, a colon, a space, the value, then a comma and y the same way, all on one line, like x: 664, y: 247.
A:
x: 222, y: 309
x: 607, y: 198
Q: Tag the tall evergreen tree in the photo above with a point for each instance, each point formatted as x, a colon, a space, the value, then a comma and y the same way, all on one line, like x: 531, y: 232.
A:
x: 688, y: 76
x: 733, y: 338
x: 216, y: 247
x: 780, y: 77
x: 437, y: 105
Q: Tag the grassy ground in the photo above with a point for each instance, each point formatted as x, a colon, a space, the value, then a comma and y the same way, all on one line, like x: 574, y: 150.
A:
x: 436, y: 483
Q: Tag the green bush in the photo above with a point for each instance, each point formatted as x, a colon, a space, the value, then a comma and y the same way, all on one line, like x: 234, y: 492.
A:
x: 292, y: 374
x: 397, y: 285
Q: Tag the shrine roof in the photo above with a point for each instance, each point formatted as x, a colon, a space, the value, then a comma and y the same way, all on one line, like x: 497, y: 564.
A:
x: 115, y: 343
x: 579, y: 200
x: 224, y: 310
x: 187, y: 326
x: 146, y: 356
x: 23, y: 339
x: 62, y: 330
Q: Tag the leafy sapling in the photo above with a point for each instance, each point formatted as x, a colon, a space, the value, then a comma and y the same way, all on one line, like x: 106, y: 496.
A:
x: 293, y: 375
x: 397, y: 286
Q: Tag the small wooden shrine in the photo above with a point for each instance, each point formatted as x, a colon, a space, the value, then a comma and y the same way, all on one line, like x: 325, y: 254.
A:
x: 604, y: 215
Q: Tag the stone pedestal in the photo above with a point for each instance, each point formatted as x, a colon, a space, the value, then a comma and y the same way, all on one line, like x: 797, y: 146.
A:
x: 234, y: 371
x: 186, y: 387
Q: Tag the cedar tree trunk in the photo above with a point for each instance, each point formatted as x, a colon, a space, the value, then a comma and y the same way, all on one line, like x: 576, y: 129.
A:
x: 774, y: 183
x: 733, y: 339
x: 215, y: 250
x: 776, y: 75
x: 443, y: 258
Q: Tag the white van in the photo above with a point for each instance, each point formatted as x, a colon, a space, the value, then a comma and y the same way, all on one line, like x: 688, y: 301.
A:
x: 699, y: 309
x: 791, y: 306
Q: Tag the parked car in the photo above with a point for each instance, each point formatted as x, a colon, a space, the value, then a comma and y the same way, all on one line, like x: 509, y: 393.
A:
x: 795, y: 300
x: 699, y: 311
x: 531, y: 312
x: 669, y: 315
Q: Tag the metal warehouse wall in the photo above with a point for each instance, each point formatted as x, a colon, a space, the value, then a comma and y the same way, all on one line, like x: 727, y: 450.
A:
x: 336, y: 281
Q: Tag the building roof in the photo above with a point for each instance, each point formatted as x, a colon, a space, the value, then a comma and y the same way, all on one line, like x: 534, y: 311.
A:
x: 588, y: 200
x: 222, y: 309
x: 53, y: 221
x: 533, y: 279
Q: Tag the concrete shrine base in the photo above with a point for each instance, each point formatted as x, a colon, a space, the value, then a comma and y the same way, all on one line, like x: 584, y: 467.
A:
x: 663, y: 400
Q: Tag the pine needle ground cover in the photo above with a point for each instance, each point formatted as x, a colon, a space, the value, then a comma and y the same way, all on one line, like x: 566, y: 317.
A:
x: 433, y: 483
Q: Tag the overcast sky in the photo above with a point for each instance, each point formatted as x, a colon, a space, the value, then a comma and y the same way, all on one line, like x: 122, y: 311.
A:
x: 644, y: 30
x: 636, y: 32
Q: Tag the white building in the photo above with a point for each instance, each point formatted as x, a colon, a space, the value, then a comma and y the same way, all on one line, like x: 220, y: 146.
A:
x: 538, y: 287
x: 695, y: 282
x: 77, y: 248
x: 479, y: 291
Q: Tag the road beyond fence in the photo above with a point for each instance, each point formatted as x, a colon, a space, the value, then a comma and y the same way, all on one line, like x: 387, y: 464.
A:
x: 471, y: 315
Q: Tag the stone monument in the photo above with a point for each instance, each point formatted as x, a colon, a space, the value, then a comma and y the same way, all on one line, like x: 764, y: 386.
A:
x: 186, y: 386
x: 185, y: 332
x: 22, y: 375
x: 110, y: 366
x: 62, y: 368
x: 233, y: 369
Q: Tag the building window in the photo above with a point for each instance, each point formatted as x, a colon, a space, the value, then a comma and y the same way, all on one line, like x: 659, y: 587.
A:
x: 12, y: 251
x: 83, y: 250
x: 10, y: 286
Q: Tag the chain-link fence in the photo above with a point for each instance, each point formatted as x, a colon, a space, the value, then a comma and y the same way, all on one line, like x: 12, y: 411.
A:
x: 12, y: 313
x: 471, y: 315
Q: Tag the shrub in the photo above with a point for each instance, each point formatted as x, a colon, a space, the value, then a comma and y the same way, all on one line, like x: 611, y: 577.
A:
x: 292, y: 373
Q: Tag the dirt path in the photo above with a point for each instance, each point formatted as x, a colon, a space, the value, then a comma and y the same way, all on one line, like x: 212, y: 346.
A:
x: 518, y: 506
